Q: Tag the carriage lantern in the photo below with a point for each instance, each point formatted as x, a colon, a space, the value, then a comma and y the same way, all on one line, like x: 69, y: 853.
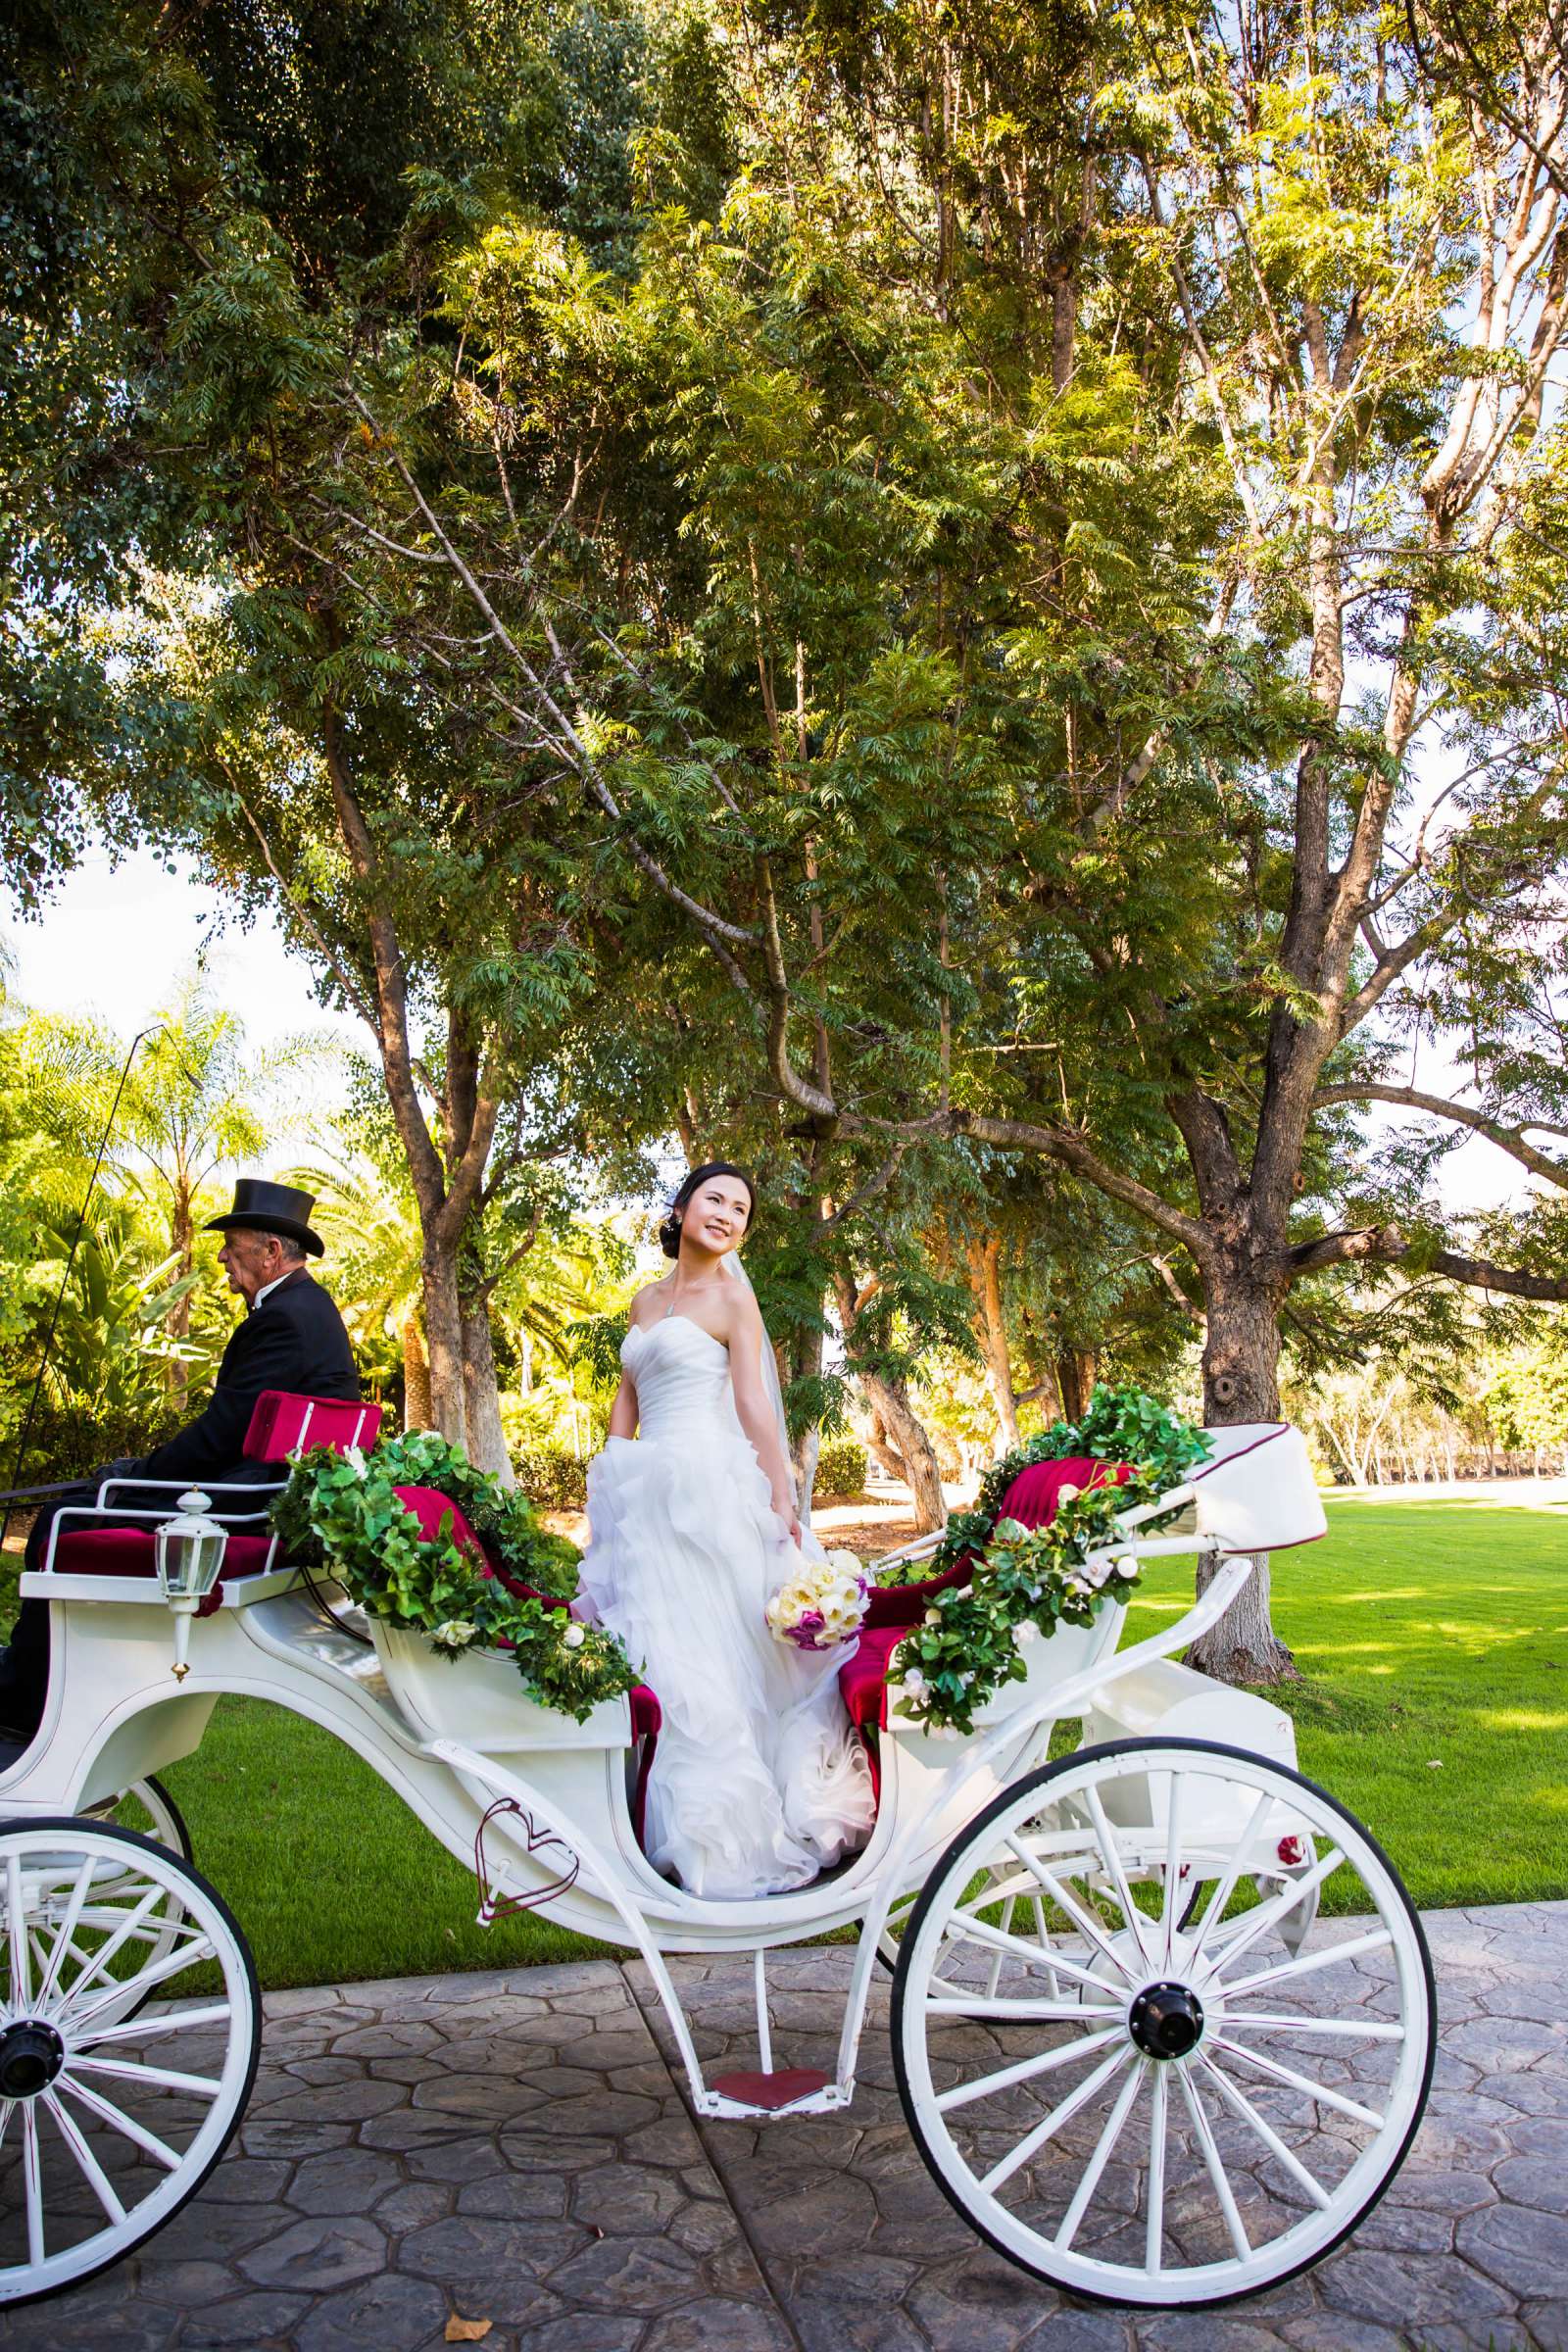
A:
x: 190, y: 1554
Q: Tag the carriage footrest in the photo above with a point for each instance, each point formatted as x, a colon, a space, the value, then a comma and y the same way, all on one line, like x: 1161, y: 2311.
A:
x: 786, y: 2089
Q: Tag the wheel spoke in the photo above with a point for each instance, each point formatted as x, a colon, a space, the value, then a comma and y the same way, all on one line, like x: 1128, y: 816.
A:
x: 1083, y: 1919
x: 65, y: 1941
x: 1227, y: 1884
x: 1361, y: 2029
x: 16, y: 1936
x: 1303, y: 2082
x: 1373, y: 1941
x: 1238, y: 2103
x: 1106, y: 1839
x: 172, y: 2020
x: 994, y: 1974
x: 1097, y: 2162
x: 1154, y: 2221
x: 1033, y: 2141
x: 1040, y: 2013
x: 1173, y: 1859
x: 1267, y: 1915
x: 93, y: 2170
x: 107, y: 1953
x: 199, y: 1948
x: 7, y: 2107
x: 158, y: 2077
x: 1216, y: 2170
x: 1026, y: 2069
x: 116, y: 2117
x: 975, y: 1930
x: 32, y: 2182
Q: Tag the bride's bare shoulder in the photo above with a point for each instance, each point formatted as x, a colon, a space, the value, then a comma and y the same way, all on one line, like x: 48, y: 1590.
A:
x: 649, y: 1302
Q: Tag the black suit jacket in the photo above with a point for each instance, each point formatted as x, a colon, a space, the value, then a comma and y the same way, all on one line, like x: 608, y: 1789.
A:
x: 294, y: 1339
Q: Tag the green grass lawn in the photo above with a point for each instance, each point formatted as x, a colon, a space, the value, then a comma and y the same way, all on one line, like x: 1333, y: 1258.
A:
x: 1432, y: 1643
x: 1426, y: 1634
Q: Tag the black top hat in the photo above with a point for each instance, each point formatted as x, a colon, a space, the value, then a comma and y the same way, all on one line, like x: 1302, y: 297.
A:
x: 263, y: 1207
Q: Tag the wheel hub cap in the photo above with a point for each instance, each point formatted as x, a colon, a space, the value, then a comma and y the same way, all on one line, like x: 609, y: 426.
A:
x: 31, y: 2054
x: 1166, y: 2021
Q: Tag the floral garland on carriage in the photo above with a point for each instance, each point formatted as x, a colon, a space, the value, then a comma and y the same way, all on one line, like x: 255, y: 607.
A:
x: 1026, y: 1581
x: 342, y: 1513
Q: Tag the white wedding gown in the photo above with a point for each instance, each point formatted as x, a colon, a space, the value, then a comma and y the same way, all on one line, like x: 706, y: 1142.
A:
x: 758, y: 1781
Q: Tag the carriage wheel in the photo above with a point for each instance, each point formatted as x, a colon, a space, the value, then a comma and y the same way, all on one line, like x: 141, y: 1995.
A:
x: 129, y: 2031
x: 1119, y: 2059
x: 147, y: 1806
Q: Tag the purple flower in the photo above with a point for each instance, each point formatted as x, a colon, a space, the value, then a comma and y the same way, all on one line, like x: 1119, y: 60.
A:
x: 804, y: 1632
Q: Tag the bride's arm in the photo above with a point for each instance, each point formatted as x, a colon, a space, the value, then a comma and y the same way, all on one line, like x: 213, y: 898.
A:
x: 624, y: 1412
x: 746, y: 1343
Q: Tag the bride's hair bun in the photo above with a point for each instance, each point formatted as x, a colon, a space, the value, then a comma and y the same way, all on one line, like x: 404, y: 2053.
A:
x: 669, y: 1231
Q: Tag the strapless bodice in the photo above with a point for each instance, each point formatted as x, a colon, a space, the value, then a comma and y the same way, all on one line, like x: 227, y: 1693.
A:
x: 682, y: 1378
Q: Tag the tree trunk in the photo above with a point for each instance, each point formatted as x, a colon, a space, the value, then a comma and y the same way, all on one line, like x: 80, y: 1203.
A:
x: 991, y: 1333
x: 916, y: 1456
x: 443, y: 1336
x: 1076, y: 1369
x: 176, y: 1323
x: 487, y: 1440
x: 805, y: 1363
x: 415, y: 1375
x: 1241, y: 1383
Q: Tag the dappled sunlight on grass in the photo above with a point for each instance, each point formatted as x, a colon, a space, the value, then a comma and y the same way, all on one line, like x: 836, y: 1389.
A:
x: 1441, y: 1717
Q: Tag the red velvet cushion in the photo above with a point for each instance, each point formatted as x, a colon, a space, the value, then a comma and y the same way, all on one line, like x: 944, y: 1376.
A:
x: 906, y: 1604
x: 282, y: 1422
x: 129, y: 1551
x: 429, y: 1507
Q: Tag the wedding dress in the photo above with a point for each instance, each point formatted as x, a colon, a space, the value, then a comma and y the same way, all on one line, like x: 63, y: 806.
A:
x: 758, y: 1781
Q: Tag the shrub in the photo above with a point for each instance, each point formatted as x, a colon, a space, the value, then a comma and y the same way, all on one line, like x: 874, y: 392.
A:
x: 553, y: 1479
x: 71, y: 1443
x: 840, y: 1467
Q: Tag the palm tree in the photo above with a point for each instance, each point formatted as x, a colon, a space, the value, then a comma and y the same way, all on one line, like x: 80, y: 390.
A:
x: 371, y: 1230
x: 194, y: 1103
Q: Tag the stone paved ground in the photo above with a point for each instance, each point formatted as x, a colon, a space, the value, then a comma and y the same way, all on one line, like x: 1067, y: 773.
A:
x: 512, y: 2147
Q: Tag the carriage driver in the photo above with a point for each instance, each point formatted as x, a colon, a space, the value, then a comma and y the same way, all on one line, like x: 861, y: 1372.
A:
x: 292, y: 1338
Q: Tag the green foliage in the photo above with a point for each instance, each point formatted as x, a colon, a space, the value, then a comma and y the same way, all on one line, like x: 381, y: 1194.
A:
x: 840, y: 1467
x: 341, y: 1512
x: 1025, y: 1581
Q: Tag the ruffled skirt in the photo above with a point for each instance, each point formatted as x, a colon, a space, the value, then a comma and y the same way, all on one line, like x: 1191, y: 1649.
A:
x: 757, y: 1782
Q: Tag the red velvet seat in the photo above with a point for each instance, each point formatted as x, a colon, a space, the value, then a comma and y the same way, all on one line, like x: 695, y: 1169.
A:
x: 1032, y: 1500
x: 279, y: 1423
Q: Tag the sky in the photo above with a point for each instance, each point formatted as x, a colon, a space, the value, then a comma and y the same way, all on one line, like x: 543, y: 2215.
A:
x: 114, y: 938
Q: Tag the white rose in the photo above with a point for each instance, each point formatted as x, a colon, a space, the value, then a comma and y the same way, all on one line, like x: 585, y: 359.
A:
x: 1068, y: 1493
x: 846, y: 1562
x: 1026, y: 1632
x: 914, y: 1680
x: 456, y: 1634
x: 355, y: 1459
x: 573, y: 1638
x: 933, y: 1616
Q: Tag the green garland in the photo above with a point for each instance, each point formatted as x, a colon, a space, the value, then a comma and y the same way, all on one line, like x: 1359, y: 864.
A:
x: 1028, y: 1581
x: 340, y: 1512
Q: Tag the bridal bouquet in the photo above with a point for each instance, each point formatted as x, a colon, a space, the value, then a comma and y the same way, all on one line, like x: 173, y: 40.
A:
x: 821, y: 1605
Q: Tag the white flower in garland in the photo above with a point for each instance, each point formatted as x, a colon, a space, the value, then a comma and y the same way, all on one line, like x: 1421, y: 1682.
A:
x: 356, y: 1461
x: 456, y: 1634
x: 573, y: 1638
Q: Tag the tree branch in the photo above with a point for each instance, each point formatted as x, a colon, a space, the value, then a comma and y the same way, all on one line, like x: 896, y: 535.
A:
x: 1507, y: 1139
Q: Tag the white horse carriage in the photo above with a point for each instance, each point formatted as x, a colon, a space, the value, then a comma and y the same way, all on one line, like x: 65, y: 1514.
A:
x: 1131, y: 2051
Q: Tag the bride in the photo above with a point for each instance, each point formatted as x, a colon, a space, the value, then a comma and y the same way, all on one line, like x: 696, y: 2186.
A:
x: 758, y: 1781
